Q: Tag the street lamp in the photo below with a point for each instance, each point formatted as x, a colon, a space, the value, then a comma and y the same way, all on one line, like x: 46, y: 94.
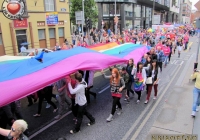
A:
x: 197, y: 55
x: 115, y: 16
x: 83, y: 17
x: 153, y: 11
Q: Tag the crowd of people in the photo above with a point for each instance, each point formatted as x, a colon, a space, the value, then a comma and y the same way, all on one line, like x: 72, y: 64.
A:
x: 75, y: 89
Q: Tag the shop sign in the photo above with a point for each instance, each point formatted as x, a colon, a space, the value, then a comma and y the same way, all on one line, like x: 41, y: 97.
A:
x: 20, y: 23
x: 61, y: 23
x: 52, y: 18
x: 40, y: 23
x: 13, y: 9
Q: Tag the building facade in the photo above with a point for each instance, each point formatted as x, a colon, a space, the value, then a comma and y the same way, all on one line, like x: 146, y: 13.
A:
x: 36, y: 26
x: 174, y: 11
x: 186, y: 7
x: 132, y: 14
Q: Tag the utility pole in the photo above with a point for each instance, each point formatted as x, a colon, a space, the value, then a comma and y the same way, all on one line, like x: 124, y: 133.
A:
x: 197, y: 55
x: 115, y: 16
x: 83, y: 17
x: 153, y: 11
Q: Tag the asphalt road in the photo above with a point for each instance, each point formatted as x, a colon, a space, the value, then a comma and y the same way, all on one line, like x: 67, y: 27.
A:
x: 134, y: 123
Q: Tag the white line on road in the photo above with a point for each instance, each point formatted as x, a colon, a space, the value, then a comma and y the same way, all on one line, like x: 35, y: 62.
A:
x: 174, y: 61
x: 128, y: 133
x: 154, y: 107
x: 104, y: 89
x: 49, y: 125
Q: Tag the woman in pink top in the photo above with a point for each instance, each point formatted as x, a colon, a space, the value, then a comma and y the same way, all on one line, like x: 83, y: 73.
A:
x: 166, y: 51
x: 186, y: 40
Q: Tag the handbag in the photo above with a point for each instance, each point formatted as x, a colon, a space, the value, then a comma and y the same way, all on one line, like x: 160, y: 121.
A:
x: 55, y: 90
x: 149, y: 80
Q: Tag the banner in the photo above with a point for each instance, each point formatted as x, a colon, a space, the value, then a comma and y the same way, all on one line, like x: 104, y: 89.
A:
x: 52, y: 18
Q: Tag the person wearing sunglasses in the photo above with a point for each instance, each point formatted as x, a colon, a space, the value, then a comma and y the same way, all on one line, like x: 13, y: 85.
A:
x: 16, y: 132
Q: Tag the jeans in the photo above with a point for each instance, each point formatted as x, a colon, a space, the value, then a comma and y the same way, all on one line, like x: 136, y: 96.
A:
x: 150, y: 89
x: 74, y: 42
x: 82, y: 111
x: 129, y: 88
x: 88, y: 92
x: 47, y: 94
x: 116, y: 102
x: 196, y: 98
x: 160, y: 65
x: 139, y: 94
x: 186, y: 45
x: 166, y: 60
x: 61, y: 102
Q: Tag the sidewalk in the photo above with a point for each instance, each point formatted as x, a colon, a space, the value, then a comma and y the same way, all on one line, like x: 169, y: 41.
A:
x: 175, y: 117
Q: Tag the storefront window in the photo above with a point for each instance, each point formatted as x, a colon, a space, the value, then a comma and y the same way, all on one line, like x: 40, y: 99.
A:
x: 143, y: 11
x: 112, y: 9
x: 129, y: 24
x: 137, y: 24
x: 137, y: 10
x: 105, y: 9
x: 128, y: 10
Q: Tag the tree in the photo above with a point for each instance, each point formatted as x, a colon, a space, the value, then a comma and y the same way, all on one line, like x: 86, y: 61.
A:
x: 90, y: 10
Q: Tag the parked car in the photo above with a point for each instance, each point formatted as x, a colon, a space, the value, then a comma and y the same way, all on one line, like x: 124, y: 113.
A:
x: 32, y: 52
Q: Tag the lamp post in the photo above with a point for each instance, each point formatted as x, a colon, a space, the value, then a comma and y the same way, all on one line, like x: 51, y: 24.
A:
x: 83, y: 17
x: 153, y: 11
x: 197, y: 55
x: 115, y: 16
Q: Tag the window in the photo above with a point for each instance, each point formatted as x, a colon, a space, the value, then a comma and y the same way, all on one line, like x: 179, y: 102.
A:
x: 137, y: 10
x: 143, y: 11
x: 41, y: 34
x: 105, y: 9
x: 52, y: 33
x: 61, y: 32
x: 128, y: 10
x: 49, y: 5
x: 1, y: 42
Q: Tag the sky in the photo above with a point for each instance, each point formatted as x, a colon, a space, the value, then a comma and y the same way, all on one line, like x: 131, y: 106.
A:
x: 193, y: 3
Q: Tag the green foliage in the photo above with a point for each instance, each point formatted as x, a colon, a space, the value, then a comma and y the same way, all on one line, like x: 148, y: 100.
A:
x: 90, y: 10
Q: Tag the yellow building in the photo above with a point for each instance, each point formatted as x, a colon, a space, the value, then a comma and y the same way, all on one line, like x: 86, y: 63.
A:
x: 34, y: 28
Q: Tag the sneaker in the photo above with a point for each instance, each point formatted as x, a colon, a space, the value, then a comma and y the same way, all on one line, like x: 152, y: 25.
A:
x: 154, y: 97
x: 36, y: 115
x: 57, y: 117
x: 110, y: 118
x: 73, y: 131
x: 138, y: 101
x: 120, y: 112
x: 48, y: 105
x: 193, y: 114
x: 146, y: 101
x: 91, y: 123
x: 125, y: 99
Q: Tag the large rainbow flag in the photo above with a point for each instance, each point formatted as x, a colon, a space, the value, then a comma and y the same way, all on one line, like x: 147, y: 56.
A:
x: 17, y: 80
x: 20, y: 77
x: 126, y: 51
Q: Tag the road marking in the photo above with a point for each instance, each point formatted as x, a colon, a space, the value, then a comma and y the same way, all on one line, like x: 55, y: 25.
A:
x: 154, y: 107
x: 49, y: 125
x: 104, y: 89
x: 128, y: 133
x: 189, y: 46
x: 139, y: 119
x: 174, y: 61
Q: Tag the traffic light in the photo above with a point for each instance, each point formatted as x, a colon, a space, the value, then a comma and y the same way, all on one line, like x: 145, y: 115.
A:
x: 88, y: 23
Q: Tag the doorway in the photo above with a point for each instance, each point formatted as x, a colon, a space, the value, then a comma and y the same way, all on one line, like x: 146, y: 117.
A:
x: 144, y: 24
x: 21, y: 38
